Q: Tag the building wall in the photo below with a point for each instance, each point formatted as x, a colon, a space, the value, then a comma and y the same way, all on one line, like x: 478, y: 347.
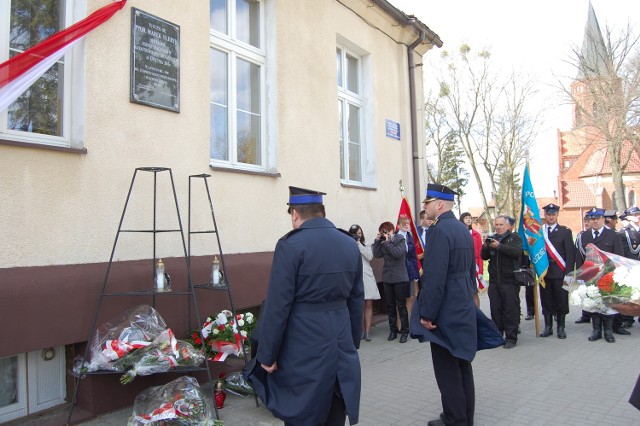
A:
x: 62, y: 209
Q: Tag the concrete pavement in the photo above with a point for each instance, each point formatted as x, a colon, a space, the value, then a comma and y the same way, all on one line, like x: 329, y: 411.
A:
x: 542, y: 381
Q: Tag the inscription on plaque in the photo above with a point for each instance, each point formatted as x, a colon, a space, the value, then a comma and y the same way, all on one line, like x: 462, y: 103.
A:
x: 155, y: 61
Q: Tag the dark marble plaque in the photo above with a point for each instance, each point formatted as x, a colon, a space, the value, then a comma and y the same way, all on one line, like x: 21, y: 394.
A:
x: 155, y: 61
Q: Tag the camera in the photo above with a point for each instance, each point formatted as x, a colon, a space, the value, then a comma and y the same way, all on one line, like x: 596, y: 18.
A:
x: 488, y: 240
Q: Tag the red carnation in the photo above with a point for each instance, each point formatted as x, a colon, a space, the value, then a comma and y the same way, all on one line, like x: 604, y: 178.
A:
x: 606, y: 283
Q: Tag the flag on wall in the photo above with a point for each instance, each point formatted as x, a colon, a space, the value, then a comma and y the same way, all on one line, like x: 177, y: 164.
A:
x: 530, y: 229
x: 405, y: 210
x: 21, y: 71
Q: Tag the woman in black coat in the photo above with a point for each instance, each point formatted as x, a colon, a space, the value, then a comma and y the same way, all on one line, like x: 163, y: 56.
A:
x: 392, y: 248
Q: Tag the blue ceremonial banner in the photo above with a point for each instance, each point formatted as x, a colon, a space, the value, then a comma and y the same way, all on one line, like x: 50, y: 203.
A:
x: 530, y: 229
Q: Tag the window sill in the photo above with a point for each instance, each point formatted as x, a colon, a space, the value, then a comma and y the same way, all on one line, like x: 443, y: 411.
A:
x: 245, y: 172
x: 41, y: 146
x: 366, y: 188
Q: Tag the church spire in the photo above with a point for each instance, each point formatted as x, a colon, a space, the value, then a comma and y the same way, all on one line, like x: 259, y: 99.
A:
x: 594, y: 51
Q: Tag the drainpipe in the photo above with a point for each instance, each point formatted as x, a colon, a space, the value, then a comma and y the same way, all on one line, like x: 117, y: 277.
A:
x: 414, y: 126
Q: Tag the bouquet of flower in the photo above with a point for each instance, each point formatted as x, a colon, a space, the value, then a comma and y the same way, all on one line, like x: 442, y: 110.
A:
x: 164, y: 354
x: 138, y: 342
x: 607, y: 283
x: 179, y: 402
x: 225, y: 335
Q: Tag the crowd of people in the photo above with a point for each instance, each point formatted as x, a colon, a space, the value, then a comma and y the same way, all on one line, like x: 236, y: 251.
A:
x: 319, y: 302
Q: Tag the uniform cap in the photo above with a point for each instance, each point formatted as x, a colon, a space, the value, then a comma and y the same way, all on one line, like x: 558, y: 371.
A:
x: 551, y: 208
x: 632, y: 210
x: 595, y: 213
x: 435, y: 191
x: 301, y: 196
x: 610, y: 214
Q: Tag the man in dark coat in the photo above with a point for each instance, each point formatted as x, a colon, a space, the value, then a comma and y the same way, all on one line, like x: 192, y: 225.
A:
x: 606, y: 240
x: 446, y: 309
x: 585, y: 318
x: 504, y: 252
x: 311, y: 322
x: 561, y: 252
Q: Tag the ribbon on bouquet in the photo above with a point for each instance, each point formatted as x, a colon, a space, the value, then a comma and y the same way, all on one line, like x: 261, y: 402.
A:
x: 224, y: 348
x: 116, y: 349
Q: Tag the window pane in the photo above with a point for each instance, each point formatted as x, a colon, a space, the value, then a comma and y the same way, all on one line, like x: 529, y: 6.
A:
x: 218, y: 15
x: 39, y: 109
x: 219, y: 132
x: 248, y: 77
x: 341, y: 136
x: 352, y: 74
x: 249, y: 149
x: 248, y: 22
x: 248, y: 114
x: 8, y: 381
x: 219, y: 106
x: 339, y: 66
x: 353, y: 123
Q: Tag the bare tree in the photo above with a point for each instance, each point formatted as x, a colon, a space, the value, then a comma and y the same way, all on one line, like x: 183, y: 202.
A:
x: 606, y: 95
x: 488, y: 116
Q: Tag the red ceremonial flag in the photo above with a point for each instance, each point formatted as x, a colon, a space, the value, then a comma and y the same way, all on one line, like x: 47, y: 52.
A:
x: 405, y: 211
x: 21, y: 71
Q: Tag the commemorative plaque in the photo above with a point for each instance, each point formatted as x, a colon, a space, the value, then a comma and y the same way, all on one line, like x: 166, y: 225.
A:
x: 155, y: 61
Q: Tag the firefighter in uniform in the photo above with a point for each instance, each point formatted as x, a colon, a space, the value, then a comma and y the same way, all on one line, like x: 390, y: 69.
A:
x: 585, y: 318
x: 606, y: 240
x: 561, y: 251
x: 630, y: 236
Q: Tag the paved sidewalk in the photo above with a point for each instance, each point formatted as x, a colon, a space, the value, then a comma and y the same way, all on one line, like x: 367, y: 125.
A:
x: 542, y: 381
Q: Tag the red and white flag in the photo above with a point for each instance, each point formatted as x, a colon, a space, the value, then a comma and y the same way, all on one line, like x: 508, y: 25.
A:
x: 20, y: 72
x: 405, y: 211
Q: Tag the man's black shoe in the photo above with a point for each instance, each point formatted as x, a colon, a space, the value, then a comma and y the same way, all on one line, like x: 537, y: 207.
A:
x: 621, y: 331
x: 392, y: 335
x: 529, y: 317
x: 509, y: 344
x: 436, y: 422
x: 403, y: 338
x: 583, y: 320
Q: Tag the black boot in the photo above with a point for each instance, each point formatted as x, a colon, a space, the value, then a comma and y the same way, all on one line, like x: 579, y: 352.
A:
x: 548, y: 326
x: 584, y: 318
x: 608, y: 329
x: 392, y: 335
x: 596, y: 323
x: 561, y: 333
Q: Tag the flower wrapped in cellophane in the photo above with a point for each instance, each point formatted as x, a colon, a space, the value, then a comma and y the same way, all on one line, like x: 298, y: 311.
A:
x: 225, y: 335
x: 138, y: 342
x: 607, y: 283
x: 179, y: 402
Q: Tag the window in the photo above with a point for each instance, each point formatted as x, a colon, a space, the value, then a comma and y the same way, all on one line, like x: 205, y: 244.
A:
x: 632, y: 198
x: 350, y: 104
x: 354, y: 115
x: 44, y: 113
x: 237, y: 101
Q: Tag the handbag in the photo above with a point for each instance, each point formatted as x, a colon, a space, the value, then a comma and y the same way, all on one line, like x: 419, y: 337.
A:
x: 524, y: 276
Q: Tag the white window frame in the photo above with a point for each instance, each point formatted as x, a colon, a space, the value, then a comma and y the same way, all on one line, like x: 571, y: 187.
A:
x: 363, y: 100
x: 238, y: 50
x: 73, y: 92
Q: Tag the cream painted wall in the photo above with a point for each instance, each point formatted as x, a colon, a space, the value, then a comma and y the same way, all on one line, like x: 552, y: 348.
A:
x: 63, y: 208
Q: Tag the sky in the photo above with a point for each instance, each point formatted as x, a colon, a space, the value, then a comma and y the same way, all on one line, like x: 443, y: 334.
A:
x: 531, y: 36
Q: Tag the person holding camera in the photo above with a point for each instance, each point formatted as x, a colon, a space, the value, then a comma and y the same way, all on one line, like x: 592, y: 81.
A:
x: 392, y: 249
x: 503, y: 250
x: 371, y: 292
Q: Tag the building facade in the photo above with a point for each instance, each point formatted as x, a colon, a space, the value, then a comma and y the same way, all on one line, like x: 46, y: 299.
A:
x: 260, y: 94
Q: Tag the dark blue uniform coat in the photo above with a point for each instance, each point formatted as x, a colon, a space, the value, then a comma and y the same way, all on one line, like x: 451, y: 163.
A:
x: 446, y: 289
x: 311, y: 324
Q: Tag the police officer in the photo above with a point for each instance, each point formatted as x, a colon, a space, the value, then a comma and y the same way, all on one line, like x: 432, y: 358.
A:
x: 630, y: 236
x: 307, y: 370
x: 561, y: 252
x: 606, y: 240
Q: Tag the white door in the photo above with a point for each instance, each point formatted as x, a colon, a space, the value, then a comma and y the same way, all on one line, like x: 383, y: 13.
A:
x: 31, y: 382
